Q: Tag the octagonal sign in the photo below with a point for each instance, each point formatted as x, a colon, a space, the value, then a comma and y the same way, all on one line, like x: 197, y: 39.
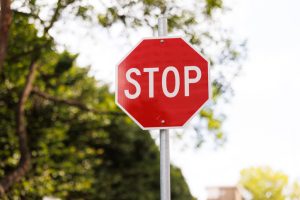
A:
x: 162, y: 83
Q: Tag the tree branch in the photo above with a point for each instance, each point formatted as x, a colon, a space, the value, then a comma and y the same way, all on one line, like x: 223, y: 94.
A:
x: 24, y: 164
x: 54, y: 17
x: 5, y: 21
x: 74, y: 103
x: 56, y: 14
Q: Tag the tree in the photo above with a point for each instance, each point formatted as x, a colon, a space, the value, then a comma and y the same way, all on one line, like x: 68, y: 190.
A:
x: 76, y: 150
x: 265, y: 183
x: 36, y: 80
x: 5, y: 21
x: 295, y: 191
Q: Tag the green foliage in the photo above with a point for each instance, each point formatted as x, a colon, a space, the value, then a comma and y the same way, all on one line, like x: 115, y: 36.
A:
x: 265, y: 183
x: 83, y: 155
x: 109, y: 18
x: 75, y: 154
x: 64, y: 63
x: 183, y: 20
x: 212, y: 5
x: 295, y: 191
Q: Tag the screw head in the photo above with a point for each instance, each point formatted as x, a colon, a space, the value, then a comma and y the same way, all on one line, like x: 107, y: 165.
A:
x: 163, y: 121
x: 161, y: 41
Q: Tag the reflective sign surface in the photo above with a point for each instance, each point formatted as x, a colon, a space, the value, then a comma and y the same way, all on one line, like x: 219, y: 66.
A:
x: 162, y: 83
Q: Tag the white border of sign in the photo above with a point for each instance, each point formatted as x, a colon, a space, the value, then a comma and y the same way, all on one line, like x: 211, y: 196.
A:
x: 173, y: 127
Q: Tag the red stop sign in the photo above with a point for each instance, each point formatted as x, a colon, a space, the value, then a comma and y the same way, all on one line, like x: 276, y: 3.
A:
x: 162, y: 83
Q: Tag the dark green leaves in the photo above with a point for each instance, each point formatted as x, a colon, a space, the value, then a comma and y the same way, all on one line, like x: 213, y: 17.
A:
x: 76, y: 154
x: 64, y: 63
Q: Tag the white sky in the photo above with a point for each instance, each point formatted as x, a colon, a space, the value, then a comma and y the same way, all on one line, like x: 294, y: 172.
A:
x: 262, y: 124
x: 263, y: 116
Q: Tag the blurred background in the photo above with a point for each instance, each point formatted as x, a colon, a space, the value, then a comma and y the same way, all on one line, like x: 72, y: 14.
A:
x: 63, y: 137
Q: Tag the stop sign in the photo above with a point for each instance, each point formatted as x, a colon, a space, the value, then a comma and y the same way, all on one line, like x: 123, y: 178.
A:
x: 162, y: 83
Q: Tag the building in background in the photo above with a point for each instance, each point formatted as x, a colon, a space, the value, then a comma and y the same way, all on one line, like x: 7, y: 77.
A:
x: 224, y: 193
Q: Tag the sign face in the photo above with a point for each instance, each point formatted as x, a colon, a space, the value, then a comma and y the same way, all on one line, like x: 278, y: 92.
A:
x: 162, y: 83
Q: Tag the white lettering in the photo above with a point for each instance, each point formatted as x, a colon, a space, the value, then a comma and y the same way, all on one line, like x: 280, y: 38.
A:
x: 164, y: 82
x: 151, y: 80
x: 134, y: 82
x: 188, y: 80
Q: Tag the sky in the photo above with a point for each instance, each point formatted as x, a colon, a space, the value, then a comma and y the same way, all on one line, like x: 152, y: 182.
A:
x: 262, y: 118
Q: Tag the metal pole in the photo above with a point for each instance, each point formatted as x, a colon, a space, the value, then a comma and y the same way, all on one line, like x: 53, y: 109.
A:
x: 162, y: 26
x: 165, y: 193
x: 164, y: 165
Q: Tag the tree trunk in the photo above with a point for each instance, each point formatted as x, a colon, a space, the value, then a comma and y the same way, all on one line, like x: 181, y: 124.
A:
x: 5, y: 21
x: 21, y: 132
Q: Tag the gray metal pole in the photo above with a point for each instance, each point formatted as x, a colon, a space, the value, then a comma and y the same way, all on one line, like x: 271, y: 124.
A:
x: 165, y: 193
x: 164, y: 165
x: 162, y: 26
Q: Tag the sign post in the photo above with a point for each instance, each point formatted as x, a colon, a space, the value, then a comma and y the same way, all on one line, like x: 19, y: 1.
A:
x: 161, y: 84
x: 165, y: 193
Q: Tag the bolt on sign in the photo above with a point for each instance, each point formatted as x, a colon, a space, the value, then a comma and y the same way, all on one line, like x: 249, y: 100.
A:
x: 162, y: 83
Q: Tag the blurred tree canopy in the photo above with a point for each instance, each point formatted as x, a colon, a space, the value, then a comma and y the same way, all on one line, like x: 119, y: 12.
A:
x: 265, y: 183
x: 80, y: 146
x: 60, y: 131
